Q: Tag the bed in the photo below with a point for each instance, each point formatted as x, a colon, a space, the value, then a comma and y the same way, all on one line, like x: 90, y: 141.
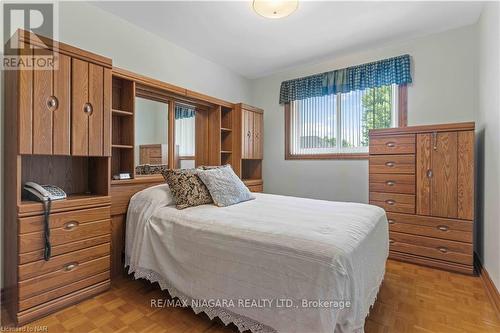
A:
x: 273, y: 264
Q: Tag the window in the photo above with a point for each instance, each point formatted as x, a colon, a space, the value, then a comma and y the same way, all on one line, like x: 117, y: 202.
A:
x: 336, y: 126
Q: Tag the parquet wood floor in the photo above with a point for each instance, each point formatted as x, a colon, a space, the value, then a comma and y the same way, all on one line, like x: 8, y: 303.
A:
x: 412, y: 299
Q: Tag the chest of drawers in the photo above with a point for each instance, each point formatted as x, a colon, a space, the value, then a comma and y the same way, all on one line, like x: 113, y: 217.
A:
x: 423, y: 177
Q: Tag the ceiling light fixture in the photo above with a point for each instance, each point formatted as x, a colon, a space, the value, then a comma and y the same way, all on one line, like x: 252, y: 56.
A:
x: 275, y: 8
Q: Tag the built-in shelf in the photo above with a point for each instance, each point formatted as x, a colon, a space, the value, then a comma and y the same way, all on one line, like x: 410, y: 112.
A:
x: 122, y: 146
x: 224, y: 129
x: 122, y: 113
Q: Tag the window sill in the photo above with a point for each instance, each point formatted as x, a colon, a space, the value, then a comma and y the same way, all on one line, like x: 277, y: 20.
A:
x: 352, y: 156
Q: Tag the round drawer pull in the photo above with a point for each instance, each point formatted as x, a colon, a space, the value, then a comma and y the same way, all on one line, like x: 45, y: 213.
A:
x: 391, y: 241
x: 71, y: 225
x: 442, y: 249
x: 442, y: 227
x: 70, y: 267
x: 390, y: 164
x: 390, y: 183
x: 88, y: 109
x: 391, y: 221
x: 390, y: 202
x: 52, y: 103
x: 390, y: 144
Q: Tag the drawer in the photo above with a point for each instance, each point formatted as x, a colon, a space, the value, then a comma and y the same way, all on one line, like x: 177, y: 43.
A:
x: 62, y: 277
x: 393, y: 202
x: 456, y: 230
x: 64, y: 290
x: 393, y: 183
x: 393, y: 144
x: 41, y: 267
x: 64, y: 248
x: 403, y: 164
x: 58, y: 220
x: 255, y: 188
x: 431, y: 247
x: 66, y: 234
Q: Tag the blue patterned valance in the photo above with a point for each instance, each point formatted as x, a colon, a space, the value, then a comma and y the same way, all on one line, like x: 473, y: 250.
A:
x: 374, y: 74
x: 183, y: 111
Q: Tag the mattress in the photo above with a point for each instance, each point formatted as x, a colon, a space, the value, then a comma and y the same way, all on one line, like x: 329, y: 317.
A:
x: 275, y: 263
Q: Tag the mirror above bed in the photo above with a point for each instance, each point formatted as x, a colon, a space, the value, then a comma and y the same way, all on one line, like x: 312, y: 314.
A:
x: 151, y: 136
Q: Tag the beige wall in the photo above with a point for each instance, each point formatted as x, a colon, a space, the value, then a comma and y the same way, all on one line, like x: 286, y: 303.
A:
x: 443, y: 91
x: 488, y: 141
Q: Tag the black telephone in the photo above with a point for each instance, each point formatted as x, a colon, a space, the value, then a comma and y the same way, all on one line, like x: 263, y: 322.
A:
x: 45, y: 194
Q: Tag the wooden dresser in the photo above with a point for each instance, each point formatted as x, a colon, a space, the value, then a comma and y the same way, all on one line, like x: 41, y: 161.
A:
x: 58, y: 132
x: 423, y: 176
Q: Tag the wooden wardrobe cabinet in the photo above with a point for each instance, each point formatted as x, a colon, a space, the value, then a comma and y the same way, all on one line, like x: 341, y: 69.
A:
x: 67, y: 110
x: 423, y: 177
x: 50, y: 139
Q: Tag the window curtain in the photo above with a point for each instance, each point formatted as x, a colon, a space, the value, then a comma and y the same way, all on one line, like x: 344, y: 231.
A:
x: 371, y: 75
x: 183, y: 111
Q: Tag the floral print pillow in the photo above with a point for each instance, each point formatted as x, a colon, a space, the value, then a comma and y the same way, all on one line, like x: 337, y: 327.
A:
x: 187, y: 188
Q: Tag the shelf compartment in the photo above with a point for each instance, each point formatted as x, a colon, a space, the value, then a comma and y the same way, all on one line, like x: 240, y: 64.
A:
x: 123, y: 95
x: 226, y: 118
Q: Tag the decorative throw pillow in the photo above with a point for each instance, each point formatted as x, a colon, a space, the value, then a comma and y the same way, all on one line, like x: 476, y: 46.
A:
x: 224, y: 186
x: 188, y: 190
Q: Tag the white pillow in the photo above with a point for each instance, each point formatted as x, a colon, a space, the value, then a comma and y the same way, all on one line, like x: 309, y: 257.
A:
x: 224, y: 186
x: 157, y: 196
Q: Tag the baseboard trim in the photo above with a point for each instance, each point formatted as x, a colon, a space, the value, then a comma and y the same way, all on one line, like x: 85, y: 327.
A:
x: 491, y: 290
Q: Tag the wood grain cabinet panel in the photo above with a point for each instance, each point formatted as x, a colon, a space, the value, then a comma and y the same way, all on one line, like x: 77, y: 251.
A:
x: 465, y: 204
x: 42, y: 114
x: 444, y: 175
x: 247, y: 134
x: 80, y: 97
x: 25, y: 106
x: 437, y: 229
x: 96, y: 116
x: 258, y: 128
x: 61, y: 132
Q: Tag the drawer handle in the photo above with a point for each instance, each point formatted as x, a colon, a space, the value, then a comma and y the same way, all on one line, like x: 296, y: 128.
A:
x: 390, y: 183
x: 429, y: 173
x: 442, y: 227
x: 391, y: 144
x: 71, y: 225
x: 391, y: 241
x: 442, y: 249
x: 390, y: 164
x: 391, y: 221
x: 70, y: 267
x: 390, y: 202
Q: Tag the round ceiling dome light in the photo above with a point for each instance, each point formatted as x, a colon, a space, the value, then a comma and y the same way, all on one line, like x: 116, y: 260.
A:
x: 275, y: 8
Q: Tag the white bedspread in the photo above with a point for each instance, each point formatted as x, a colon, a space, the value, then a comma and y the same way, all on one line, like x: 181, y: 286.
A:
x: 261, y: 256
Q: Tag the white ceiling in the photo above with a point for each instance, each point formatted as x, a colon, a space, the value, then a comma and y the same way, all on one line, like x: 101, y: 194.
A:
x: 231, y: 34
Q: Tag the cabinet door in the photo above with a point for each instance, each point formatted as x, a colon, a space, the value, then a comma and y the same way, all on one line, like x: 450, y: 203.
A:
x: 444, y: 174
x: 95, y: 117
x: 258, y: 130
x: 61, y: 115
x: 79, y: 118
x: 247, y: 134
x: 42, y: 113
x: 51, y: 108
x: 424, y: 172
